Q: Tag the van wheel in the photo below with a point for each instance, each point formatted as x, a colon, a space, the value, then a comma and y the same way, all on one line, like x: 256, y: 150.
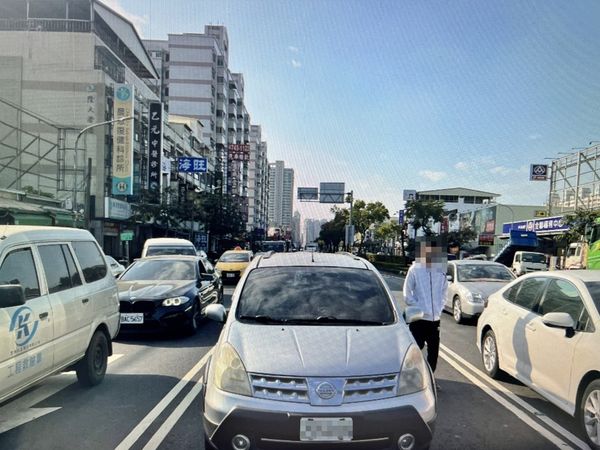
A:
x: 589, y: 414
x: 92, y: 368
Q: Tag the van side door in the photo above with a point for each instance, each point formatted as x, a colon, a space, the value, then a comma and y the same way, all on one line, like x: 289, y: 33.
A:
x: 68, y: 299
x: 26, y: 331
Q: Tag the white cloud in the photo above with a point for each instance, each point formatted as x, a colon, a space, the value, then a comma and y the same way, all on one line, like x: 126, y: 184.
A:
x: 501, y: 170
x: 461, y: 165
x: 432, y: 175
x: 296, y: 64
x: 138, y: 21
x: 293, y: 49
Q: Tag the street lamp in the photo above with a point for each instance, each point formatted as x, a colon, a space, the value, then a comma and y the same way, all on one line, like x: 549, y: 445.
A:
x: 89, y: 127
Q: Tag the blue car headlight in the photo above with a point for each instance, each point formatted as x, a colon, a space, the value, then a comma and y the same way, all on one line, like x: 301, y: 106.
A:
x: 175, y: 301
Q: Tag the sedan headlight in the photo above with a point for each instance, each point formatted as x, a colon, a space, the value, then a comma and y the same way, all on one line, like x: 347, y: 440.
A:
x: 175, y: 301
x: 229, y: 372
x: 474, y: 297
x: 414, y: 375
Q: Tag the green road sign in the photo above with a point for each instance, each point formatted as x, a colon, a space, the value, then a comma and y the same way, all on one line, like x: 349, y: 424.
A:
x: 127, y: 236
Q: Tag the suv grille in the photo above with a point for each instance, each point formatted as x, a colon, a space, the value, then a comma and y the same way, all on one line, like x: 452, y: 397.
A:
x: 296, y: 389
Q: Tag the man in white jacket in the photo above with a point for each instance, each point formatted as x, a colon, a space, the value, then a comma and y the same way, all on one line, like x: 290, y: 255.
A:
x: 426, y: 287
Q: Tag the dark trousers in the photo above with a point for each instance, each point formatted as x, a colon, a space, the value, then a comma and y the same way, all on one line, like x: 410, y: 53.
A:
x: 427, y: 332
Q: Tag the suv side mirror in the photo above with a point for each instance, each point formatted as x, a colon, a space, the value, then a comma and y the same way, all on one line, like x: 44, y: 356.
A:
x: 11, y: 295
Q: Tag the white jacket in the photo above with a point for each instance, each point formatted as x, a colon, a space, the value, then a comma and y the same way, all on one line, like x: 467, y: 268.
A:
x: 427, y: 289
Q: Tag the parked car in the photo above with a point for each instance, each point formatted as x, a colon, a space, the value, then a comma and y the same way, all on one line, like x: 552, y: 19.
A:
x: 167, y: 292
x: 525, y: 262
x: 470, y: 282
x: 315, y: 353
x: 233, y: 263
x: 544, y: 330
x: 167, y: 246
x: 116, y: 268
x: 58, y: 307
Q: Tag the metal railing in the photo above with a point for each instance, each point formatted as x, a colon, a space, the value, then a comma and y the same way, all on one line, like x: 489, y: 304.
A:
x: 55, y: 25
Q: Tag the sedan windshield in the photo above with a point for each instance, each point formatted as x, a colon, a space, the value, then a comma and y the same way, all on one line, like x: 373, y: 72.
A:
x: 164, y: 250
x: 315, y: 296
x: 160, y: 270
x: 594, y: 288
x: 235, y: 257
x: 476, y: 272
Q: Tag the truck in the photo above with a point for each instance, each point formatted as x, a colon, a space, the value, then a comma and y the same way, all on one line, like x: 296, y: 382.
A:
x: 525, y: 262
x: 585, y: 254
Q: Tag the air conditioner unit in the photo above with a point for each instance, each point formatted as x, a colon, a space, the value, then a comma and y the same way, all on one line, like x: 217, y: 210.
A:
x: 486, y: 201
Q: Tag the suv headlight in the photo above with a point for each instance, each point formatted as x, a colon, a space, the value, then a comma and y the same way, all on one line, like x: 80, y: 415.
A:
x: 229, y: 372
x: 175, y: 301
x: 414, y: 375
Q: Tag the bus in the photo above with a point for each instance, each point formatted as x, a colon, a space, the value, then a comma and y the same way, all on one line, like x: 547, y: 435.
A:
x: 592, y: 234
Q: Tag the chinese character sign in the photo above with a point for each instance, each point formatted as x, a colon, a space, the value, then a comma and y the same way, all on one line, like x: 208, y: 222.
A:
x: 193, y: 165
x: 238, y: 152
x: 122, y: 155
x: 155, y: 143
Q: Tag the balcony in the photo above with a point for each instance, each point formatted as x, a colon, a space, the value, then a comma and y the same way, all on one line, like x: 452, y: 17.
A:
x: 52, y: 25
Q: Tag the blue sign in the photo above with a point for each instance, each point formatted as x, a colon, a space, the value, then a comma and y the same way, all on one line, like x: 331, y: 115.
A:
x: 191, y: 165
x: 23, y: 325
x: 401, y: 217
x: 546, y: 225
x: 201, y: 241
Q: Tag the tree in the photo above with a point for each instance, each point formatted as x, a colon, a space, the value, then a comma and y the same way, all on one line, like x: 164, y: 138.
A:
x: 333, y: 231
x: 577, y: 222
x: 366, y: 214
x: 388, y: 230
x: 424, y: 212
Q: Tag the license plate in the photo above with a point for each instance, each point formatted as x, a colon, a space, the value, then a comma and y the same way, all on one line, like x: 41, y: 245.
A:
x: 132, y: 318
x: 230, y: 275
x: 326, y: 429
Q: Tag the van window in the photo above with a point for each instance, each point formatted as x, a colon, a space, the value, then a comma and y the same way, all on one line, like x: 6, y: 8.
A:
x: 55, y: 267
x: 91, y: 261
x: 73, y: 272
x: 18, y: 268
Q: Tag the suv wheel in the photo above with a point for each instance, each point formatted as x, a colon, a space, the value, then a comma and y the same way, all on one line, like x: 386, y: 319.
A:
x: 489, y: 354
x: 456, y: 310
x: 589, y: 414
x: 91, y: 369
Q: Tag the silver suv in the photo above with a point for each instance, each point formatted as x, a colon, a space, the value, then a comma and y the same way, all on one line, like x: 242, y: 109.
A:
x: 315, y: 353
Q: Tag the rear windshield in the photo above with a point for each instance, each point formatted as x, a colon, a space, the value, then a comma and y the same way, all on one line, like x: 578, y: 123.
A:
x: 315, y: 295
x: 534, y: 258
x: 164, y: 250
x: 235, y: 257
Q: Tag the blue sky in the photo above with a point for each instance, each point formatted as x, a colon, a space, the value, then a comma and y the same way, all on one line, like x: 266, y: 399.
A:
x: 389, y: 95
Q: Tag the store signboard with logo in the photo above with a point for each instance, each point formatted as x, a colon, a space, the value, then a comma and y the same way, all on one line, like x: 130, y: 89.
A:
x: 122, y: 155
x: 116, y: 209
x: 547, y: 225
x: 155, y: 143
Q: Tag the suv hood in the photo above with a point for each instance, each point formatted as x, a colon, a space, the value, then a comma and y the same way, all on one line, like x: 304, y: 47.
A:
x: 320, y: 350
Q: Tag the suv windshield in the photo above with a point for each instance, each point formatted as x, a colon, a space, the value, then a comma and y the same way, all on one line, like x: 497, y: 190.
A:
x: 314, y: 295
x: 164, y: 250
x: 160, y: 270
x: 474, y: 272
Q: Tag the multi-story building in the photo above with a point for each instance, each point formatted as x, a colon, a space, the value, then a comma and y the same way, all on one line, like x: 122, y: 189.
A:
x: 312, y: 229
x: 296, y: 228
x: 63, y: 65
x: 281, y: 196
x: 258, y: 183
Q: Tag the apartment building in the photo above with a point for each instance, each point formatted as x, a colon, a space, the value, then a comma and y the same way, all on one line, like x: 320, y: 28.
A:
x: 258, y: 184
x: 281, y: 195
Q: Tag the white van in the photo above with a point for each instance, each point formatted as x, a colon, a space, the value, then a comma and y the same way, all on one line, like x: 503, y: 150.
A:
x: 168, y: 246
x: 59, y: 307
x: 525, y: 262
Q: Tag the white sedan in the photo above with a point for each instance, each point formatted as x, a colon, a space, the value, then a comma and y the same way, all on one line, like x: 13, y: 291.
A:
x: 544, y: 329
x: 470, y: 283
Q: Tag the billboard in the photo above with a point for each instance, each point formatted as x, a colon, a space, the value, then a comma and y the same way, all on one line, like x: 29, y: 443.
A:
x: 308, y: 194
x: 187, y: 164
x: 122, y: 155
x: 409, y: 194
x: 155, y: 142
x: 238, y: 152
x: 548, y: 225
x: 332, y: 193
x: 538, y: 172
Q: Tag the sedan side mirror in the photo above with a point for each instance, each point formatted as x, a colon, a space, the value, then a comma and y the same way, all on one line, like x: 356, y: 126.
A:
x: 216, y: 312
x: 560, y: 320
x: 412, y: 314
x: 11, y: 295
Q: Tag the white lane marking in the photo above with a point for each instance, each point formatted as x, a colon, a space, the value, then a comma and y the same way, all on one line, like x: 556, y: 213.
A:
x: 162, y: 405
x: 20, y: 411
x: 554, y: 439
x: 168, y: 424
x: 518, y: 400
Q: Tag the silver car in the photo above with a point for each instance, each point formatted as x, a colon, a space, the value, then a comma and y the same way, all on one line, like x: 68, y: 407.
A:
x: 315, y: 353
x: 470, y: 283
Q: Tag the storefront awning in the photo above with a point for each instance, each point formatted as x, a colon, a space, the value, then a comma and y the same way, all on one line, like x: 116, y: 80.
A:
x: 31, y: 219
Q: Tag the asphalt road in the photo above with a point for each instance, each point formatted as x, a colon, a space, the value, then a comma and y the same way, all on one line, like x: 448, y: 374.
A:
x: 151, y: 399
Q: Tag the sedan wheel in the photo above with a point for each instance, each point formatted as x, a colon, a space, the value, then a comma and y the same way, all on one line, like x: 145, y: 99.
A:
x: 456, y: 310
x: 489, y: 354
x: 590, y: 414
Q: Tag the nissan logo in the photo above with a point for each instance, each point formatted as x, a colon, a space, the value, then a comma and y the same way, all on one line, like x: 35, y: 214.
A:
x: 326, y: 390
